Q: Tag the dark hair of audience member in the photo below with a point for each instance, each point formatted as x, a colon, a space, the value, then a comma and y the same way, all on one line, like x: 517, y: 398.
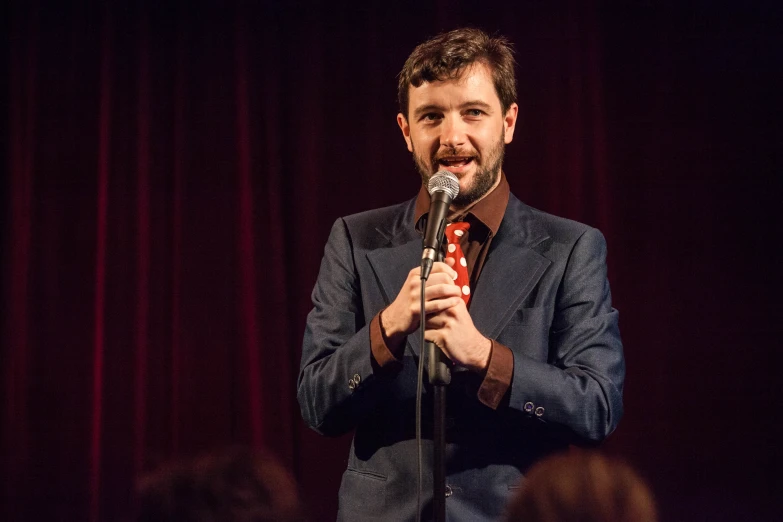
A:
x: 582, y: 486
x: 235, y: 485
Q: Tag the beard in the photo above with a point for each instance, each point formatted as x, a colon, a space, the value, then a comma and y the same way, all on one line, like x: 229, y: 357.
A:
x: 485, y: 177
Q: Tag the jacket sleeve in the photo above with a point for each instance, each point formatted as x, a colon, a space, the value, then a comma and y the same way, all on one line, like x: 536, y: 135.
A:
x: 580, y: 387
x: 337, y: 383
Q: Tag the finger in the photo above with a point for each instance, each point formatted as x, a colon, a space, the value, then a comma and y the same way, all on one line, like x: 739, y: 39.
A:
x: 440, y: 287
x: 448, y: 314
x: 451, y: 261
x: 438, y: 306
x: 413, y: 286
x: 441, y: 267
x: 442, y: 291
x: 441, y: 278
x: 449, y: 310
x: 434, y: 322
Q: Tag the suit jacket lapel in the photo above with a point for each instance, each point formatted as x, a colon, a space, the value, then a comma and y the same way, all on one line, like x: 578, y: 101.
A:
x: 511, y: 271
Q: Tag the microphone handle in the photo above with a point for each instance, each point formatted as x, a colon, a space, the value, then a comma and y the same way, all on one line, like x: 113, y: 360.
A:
x: 433, y: 236
x: 438, y: 365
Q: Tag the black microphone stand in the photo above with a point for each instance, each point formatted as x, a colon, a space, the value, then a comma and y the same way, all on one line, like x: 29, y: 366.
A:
x: 439, y: 373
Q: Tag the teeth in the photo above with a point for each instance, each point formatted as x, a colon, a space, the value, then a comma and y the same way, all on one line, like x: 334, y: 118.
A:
x: 455, y: 162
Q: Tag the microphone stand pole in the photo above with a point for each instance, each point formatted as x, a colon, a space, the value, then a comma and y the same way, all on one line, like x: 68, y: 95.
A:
x: 439, y: 375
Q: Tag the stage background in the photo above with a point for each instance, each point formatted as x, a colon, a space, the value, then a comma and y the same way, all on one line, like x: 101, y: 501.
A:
x: 173, y: 170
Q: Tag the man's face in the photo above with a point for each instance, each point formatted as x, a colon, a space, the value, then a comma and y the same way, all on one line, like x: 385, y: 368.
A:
x: 459, y: 126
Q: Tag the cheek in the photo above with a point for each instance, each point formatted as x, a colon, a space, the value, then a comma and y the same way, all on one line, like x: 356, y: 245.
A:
x: 423, y: 145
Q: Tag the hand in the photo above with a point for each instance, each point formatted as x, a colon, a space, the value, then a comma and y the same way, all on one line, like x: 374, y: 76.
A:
x: 454, y: 332
x: 402, y: 317
x: 452, y: 329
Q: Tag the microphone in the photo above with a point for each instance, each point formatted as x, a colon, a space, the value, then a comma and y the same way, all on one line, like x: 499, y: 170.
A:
x: 443, y: 188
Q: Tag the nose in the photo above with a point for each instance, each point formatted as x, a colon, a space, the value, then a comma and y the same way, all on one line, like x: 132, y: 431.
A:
x: 453, y: 132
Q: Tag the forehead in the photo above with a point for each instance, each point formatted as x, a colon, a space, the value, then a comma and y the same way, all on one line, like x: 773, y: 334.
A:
x: 474, y: 84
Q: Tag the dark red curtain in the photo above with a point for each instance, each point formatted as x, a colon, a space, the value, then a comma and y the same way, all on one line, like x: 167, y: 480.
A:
x: 174, y: 169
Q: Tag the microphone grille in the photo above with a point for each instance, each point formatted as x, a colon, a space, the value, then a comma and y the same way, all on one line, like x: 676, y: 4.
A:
x: 444, y: 181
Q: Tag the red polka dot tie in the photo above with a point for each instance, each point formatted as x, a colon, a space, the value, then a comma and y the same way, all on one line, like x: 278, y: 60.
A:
x: 454, y: 232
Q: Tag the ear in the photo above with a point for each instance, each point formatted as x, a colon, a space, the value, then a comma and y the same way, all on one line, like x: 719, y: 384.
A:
x: 510, y: 122
x: 406, y: 130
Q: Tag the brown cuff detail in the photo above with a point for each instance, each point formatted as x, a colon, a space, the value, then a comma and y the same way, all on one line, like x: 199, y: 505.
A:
x: 498, y: 378
x: 383, y: 356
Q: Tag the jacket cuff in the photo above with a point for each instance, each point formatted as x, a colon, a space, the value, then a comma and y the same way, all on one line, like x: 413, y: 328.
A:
x: 498, y: 378
x: 384, y: 358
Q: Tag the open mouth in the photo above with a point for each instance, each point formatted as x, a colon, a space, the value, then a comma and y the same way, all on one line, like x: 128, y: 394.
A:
x: 455, y: 162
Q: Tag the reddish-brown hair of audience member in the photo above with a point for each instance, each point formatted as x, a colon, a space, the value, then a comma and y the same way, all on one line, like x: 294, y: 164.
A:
x: 234, y: 485
x: 582, y: 486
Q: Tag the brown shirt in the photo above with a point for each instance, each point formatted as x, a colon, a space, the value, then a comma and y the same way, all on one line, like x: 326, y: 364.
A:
x: 484, y: 218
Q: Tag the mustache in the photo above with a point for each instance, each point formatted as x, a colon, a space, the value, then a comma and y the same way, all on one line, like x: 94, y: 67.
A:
x: 453, y: 151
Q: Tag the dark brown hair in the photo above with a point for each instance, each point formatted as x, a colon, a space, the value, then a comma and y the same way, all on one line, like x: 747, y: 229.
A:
x: 582, y: 486
x: 447, y: 55
x: 237, y: 485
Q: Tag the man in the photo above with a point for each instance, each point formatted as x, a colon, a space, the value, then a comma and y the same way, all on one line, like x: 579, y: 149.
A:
x: 534, y: 338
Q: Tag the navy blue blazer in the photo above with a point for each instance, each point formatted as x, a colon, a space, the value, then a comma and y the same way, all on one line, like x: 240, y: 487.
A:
x: 543, y: 292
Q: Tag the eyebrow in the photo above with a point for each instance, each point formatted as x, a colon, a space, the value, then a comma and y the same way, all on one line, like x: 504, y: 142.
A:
x: 424, y: 109
x: 434, y: 107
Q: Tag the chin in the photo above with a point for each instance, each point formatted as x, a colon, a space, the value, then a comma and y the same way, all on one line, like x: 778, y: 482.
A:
x: 467, y: 180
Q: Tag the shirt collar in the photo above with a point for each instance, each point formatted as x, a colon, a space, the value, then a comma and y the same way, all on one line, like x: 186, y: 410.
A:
x: 489, y: 211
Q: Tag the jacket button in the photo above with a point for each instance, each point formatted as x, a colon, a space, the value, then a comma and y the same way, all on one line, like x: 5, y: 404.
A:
x: 448, y: 491
x: 352, y: 385
x: 357, y: 378
x: 539, y: 411
x: 529, y: 407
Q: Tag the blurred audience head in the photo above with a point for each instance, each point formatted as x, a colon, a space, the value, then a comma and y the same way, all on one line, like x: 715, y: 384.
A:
x: 234, y: 485
x: 581, y: 486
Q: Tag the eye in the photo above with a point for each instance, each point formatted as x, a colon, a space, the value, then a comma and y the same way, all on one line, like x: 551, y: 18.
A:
x: 431, y: 116
x: 475, y: 113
